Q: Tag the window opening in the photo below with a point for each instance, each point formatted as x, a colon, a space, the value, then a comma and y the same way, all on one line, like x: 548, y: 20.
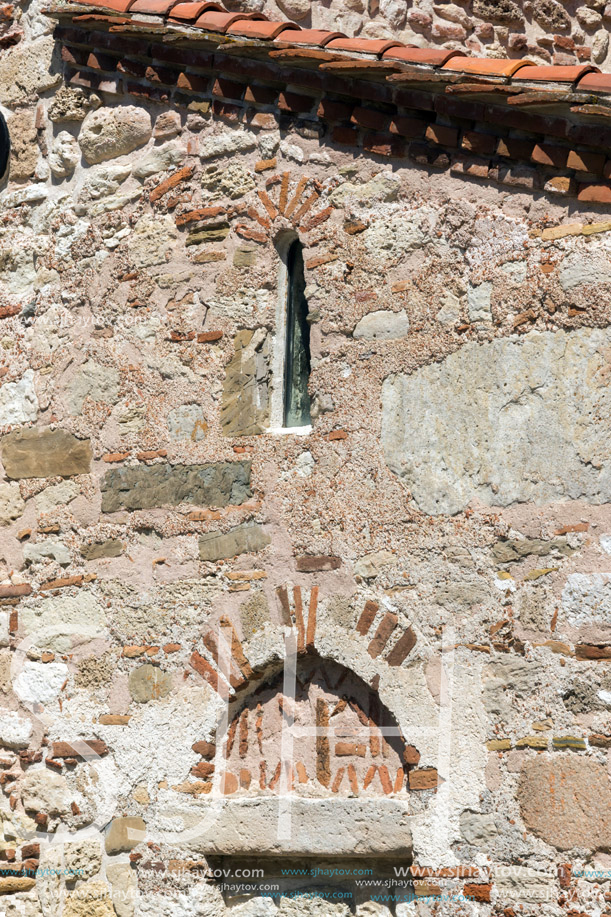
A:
x: 297, y: 356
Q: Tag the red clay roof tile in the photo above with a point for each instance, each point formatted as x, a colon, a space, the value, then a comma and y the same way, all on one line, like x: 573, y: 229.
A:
x: 434, y: 57
x: 118, y: 6
x: 192, y: 10
x: 317, y: 37
x: 564, y: 74
x: 220, y: 22
x: 251, y: 28
x: 153, y: 7
x: 595, y: 82
x: 363, y: 45
x: 487, y: 66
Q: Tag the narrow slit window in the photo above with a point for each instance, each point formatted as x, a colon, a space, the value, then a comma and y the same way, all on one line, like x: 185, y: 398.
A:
x: 297, y: 358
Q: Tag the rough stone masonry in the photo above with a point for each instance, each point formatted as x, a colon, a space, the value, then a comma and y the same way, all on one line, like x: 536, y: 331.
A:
x: 377, y: 645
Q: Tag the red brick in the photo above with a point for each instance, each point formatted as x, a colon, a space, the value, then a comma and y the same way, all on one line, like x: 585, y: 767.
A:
x: 62, y: 582
x: 516, y: 176
x: 585, y: 161
x: 444, y: 136
x: 249, y: 68
x: 317, y: 219
x: 413, y: 128
x: 451, y: 106
x: 311, y: 628
x: 209, y: 337
x: 323, y: 763
x: 228, y: 89
x: 314, y: 563
x: 146, y: 92
x: 338, y: 779
x: 402, y: 648
x: 479, y: 893
x: 564, y: 875
x: 588, y: 650
x: 600, y: 741
x: 484, y: 144
x: 370, y: 119
x: 185, y: 57
x: 514, y: 148
x: 203, y: 769
x: 247, y: 232
x: 526, y: 121
x: 203, y: 667
x: 331, y: 110
x: 428, y: 156
x: 565, y: 42
x: 151, y: 454
x: 382, y: 635
x: 560, y: 184
x: 226, y: 111
x: 367, y: 617
x: 77, y: 56
x: 164, y: 75
x: 346, y: 136
x: 261, y: 95
x: 30, y: 850
x: 385, y: 779
x: 345, y: 749
x: 11, y: 592
x: 64, y: 34
x: 352, y: 777
x: 132, y: 67
x: 584, y: 134
x: 189, y: 82
x: 293, y: 102
x: 518, y: 42
x: 174, y: 179
x: 229, y: 784
x: 425, y: 778
x: 112, y: 42
x: 414, y: 99
x: 411, y: 755
x: 205, y: 749
x: 470, y: 166
x: 262, y: 119
x: 548, y: 155
x: 98, y: 748
x: 384, y: 145
x: 202, y: 213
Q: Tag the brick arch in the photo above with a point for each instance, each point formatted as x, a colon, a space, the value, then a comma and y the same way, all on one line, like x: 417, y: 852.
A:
x: 329, y: 734
x: 286, y: 202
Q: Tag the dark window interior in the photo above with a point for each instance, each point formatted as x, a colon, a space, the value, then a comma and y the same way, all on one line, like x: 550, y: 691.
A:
x: 297, y: 363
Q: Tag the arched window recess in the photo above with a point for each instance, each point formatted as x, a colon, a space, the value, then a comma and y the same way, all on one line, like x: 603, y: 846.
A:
x: 291, y: 402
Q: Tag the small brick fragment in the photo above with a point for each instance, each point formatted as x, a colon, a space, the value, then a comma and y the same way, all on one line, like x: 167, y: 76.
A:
x: 264, y: 164
x: 209, y: 337
x: 480, y: 893
x: 425, y: 778
x: 175, y: 179
x: 313, y: 563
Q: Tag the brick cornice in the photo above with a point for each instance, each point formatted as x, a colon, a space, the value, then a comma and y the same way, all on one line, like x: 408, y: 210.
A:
x: 527, y: 133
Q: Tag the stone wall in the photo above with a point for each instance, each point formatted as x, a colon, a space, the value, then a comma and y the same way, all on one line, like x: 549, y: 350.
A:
x: 431, y: 560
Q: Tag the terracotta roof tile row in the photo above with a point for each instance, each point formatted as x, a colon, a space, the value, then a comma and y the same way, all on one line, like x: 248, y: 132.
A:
x: 213, y: 18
